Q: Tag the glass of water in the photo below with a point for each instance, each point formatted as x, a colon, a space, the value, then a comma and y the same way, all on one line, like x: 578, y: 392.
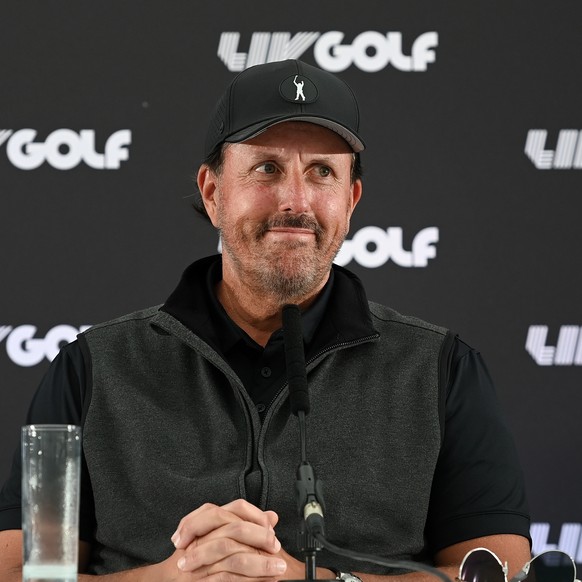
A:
x: 51, y: 474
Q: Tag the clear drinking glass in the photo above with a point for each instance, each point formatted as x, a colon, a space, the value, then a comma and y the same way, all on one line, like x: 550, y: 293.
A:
x: 51, y: 474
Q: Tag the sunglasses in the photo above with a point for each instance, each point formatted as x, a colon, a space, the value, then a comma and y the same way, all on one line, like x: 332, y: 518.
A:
x: 482, y: 565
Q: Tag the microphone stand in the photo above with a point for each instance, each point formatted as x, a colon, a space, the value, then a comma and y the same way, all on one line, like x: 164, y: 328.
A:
x: 310, y: 505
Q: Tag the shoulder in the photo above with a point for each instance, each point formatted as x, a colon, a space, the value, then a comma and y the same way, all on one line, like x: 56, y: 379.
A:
x: 386, y: 316
x: 142, y: 315
x: 121, y: 325
x: 132, y: 328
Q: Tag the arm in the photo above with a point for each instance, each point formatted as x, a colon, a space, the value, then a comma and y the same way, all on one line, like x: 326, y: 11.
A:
x: 191, y: 536
x: 476, y: 440
x: 510, y: 548
x: 215, y: 543
x: 513, y: 549
x: 11, y: 555
x: 11, y: 561
x: 58, y: 400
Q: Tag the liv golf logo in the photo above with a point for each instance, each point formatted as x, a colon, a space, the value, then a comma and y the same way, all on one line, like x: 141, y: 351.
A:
x: 25, y: 349
x: 369, y: 51
x: 567, y: 154
x: 566, y: 352
x: 64, y: 149
x: 372, y: 247
x: 568, y: 541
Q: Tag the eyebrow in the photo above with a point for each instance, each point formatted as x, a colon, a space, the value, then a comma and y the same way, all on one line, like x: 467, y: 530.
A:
x: 315, y: 157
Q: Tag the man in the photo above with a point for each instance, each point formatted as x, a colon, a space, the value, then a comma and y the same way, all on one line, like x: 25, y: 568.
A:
x: 190, y: 450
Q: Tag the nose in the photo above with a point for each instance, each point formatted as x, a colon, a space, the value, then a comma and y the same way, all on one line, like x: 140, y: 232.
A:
x: 294, y: 195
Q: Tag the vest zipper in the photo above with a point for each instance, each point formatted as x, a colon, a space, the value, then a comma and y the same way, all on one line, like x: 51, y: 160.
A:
x: 331, y: 348
x: 263, y: 428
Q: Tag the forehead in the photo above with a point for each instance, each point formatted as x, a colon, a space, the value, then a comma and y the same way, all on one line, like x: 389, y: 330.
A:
x: 295, y: 136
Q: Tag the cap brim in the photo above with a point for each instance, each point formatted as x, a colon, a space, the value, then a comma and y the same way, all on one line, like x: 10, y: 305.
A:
x: 247, y: 133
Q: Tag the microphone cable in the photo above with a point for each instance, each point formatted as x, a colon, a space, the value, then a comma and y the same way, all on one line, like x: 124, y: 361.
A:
x: 379, y: 560
x: 308, y: 488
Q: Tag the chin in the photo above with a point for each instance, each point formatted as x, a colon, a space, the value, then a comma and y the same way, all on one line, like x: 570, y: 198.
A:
x: 292, y: 282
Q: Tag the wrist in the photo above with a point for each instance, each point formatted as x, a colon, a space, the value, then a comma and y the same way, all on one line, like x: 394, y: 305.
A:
x: 345, y: 576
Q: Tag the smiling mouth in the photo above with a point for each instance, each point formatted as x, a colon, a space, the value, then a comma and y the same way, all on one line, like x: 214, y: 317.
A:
x: 298, y: 225
x: 292, y: 230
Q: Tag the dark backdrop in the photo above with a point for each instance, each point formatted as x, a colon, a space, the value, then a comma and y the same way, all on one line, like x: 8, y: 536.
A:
x: 472, y: 199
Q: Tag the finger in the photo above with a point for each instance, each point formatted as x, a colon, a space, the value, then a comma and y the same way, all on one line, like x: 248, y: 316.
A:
x: 244, y: 563
x: 273, y: 517
x: 228, y: 577
x: 249, y: 534
x: 212, y: 552
x: 210, y: 516
x: 200, y: 522
x: 255, y: 565
x: 200, y: 554
x: 252, y: 513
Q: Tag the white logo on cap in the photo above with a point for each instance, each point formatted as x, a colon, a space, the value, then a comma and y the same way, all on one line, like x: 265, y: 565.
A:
x: 299, y: 86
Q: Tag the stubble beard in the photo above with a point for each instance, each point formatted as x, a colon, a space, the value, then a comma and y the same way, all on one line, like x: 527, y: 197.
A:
x: 286, y: 271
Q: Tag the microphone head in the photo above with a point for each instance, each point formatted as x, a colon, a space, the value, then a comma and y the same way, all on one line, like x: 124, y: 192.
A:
x: 295, y: 359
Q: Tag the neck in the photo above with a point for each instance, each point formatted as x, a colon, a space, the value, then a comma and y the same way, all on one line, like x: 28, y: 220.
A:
x: 258, y: 313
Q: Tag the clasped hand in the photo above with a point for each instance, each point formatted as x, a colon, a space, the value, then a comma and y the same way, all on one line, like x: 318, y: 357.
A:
x: 227, y: 543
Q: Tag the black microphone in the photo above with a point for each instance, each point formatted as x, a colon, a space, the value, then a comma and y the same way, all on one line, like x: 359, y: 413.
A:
x: 308, y: 489
x: 295, y: 359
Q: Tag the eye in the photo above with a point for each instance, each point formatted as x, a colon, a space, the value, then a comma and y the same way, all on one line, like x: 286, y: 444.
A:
x: 324, y: 171
x: 266, y: 168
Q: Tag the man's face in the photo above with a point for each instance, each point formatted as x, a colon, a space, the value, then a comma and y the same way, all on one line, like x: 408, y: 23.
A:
x: 282, y: 203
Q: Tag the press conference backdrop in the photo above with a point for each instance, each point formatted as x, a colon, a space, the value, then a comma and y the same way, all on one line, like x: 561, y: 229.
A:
x: 472, y: 200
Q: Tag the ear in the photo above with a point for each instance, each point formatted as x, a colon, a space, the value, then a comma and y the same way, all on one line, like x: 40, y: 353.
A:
x: 208, y: 185
x: 357, y: 188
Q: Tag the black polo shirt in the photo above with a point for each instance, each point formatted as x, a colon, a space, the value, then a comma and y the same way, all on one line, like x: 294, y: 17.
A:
x: 59, y: 400
x: 261, y: 370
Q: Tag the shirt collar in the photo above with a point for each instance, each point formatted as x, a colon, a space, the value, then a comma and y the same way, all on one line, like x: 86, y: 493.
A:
x: 343, y: 301
x: 230, y: 333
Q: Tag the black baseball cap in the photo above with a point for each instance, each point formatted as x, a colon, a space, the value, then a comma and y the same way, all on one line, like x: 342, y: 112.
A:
x: 264, y: 95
